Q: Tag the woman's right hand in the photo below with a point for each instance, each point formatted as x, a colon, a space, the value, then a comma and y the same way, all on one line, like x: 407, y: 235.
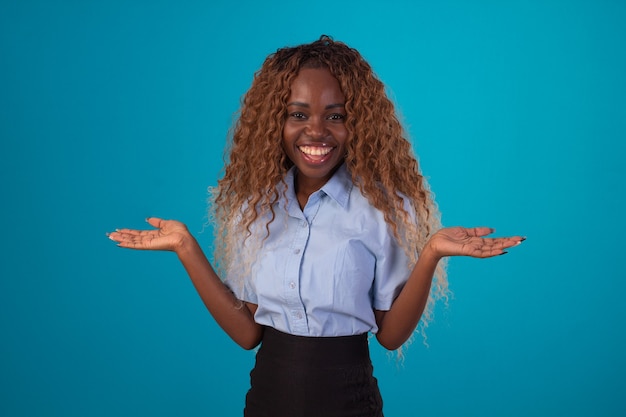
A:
x: 169, y: 235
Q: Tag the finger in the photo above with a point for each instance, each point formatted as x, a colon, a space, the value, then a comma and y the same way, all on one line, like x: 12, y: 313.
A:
x: 133, y: 235
x: 488, y: 247
x: 486, y: 252
x: 508, y: 242
x: 136, y: 241
x: 155, y: 222
x: 492, y: 253
x: 120, y: 238
x: 130, y: 244
x: 498, y: 242
x: 126, y: 232
x: 119, y: 235
x: 134, y: 232
x: 479, y: 231
x: 152, y: 221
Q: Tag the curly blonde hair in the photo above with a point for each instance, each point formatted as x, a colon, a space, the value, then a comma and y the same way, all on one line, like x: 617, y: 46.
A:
x: 379, y: 157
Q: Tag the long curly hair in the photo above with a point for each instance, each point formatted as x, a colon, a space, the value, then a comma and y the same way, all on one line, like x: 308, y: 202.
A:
x: 379, y: 156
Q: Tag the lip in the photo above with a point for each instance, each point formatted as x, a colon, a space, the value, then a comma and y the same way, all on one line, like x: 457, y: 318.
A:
x: 316, y: 159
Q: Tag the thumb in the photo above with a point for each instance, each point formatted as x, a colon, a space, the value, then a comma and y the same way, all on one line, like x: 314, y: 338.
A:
x: 155, y: 222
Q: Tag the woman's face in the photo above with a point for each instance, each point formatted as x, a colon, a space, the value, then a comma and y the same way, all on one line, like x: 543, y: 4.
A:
x: 314, y: 136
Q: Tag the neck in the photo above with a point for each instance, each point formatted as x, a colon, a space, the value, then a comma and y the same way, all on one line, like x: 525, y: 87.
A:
x: 304, y: 187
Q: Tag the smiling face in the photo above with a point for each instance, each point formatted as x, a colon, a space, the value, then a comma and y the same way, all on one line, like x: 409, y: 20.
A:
x: 314, y: 135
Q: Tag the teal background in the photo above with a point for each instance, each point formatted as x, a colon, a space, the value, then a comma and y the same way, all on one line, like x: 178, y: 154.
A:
x: 112, y: 111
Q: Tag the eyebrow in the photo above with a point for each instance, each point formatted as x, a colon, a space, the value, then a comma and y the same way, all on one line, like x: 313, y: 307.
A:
x: 300, y: 104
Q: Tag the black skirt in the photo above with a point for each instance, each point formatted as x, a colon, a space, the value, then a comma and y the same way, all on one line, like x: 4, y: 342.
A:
x: 298, y: 376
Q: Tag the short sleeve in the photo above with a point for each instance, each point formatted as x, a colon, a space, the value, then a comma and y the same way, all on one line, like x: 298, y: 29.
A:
x: 392, y: 268
x: 391, y: 273
x: 237, y: 275
x: 241, y: 287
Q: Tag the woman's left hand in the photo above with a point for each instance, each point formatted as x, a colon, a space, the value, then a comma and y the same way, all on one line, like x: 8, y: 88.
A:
x: 462, y: 241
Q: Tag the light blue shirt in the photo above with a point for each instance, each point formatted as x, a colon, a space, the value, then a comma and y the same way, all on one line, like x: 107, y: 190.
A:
x: 323, y: 270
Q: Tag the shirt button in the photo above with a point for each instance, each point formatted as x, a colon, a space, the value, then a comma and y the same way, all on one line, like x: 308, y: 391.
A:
x: 297, y: 251
x: 303, y: 223
x: 292, y: 285
x: 298, y: 316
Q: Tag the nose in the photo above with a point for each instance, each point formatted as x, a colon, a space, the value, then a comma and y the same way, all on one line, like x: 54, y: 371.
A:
x: 316, y: 127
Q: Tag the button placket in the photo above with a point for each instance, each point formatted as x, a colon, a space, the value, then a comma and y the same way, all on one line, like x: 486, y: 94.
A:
x: 291, y: 280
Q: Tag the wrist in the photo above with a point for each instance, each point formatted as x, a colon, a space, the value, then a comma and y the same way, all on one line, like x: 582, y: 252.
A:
x: 185, y: 245
x: 429, y: 252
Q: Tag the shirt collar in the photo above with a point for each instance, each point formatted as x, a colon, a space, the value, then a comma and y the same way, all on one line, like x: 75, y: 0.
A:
x: 338, y: 187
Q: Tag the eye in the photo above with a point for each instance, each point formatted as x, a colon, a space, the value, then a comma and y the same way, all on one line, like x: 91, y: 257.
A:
x: 297, y: 115
x: 336, y: 116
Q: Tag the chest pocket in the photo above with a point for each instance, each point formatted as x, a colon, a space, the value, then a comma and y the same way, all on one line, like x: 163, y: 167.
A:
x: 340, y: 277
x: 355, y: 273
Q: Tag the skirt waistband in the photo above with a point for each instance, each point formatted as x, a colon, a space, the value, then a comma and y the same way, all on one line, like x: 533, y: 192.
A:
x: 323, y: 352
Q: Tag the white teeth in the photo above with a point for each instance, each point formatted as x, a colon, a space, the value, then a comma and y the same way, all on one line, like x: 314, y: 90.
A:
x: 315, y: 150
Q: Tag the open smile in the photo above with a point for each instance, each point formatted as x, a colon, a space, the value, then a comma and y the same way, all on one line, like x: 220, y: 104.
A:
x: 316, y: 154
x: 315, y: 150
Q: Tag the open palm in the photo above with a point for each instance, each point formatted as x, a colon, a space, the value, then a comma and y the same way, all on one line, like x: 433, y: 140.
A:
x: 168, y: 235
x: 461, y: 241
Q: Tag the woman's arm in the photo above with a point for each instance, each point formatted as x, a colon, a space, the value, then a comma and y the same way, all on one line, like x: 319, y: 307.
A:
x: 396, y: 325
x: 234, y: 316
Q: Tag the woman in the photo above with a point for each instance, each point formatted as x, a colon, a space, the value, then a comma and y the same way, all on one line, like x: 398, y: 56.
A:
x: 325, y: 232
